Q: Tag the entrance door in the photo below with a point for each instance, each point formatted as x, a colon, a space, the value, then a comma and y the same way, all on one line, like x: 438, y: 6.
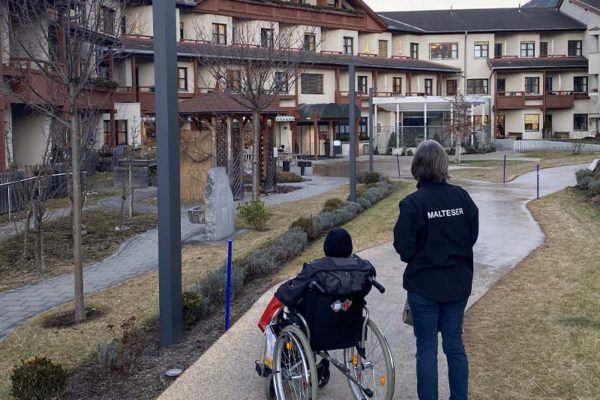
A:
x: 501, y: 86
x: 498, y: 50
x: 547, y: 128
x: 500, y: 126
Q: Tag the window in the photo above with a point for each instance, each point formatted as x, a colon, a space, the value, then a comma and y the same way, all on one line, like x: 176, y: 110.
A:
x: 532, y: 85
x: 348, y: 45
x: 363, y: 129
x: 181, y: 30
x: 312, y: 84
x: 580, y: 84
x: 182, y: 79
x: 266, y: 37
x: 575, y: 48
x: 120, y: 131
x: 78, y: 11
x: 123, y: 26
x: 443, y: 51
x: 383, y: 48
x: 362, y: 84
x: 108, y: 20
x: 310, y: 42
x: 543, y: 49
x: 580, y: 122
x: 219, y: 34
x: 482, y: 49
x: 451, y: 87
x: 281, y: 82
x: 527, y: 49
x: 429, y: 86
x: 501, y: 86
x: 233, y: 79
x: 548, y: 84
x: 414, y: 50
x: 397, y: 85
x: 498, y: 50
x: 342, y: 132
x: 477, y: 86
x: 532, y: 122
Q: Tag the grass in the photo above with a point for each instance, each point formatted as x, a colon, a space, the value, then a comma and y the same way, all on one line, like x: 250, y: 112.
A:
x: 536, y: 334
x: 101, y: 239
x: 76, y: 345
x: 492, y: 170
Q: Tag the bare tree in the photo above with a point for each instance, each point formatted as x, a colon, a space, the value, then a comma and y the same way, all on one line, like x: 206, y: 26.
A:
x: 259, y: 66
x: 62, y: 55
x: 459, y: 123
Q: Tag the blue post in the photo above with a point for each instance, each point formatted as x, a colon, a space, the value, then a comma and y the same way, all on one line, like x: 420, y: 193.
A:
x: 228, y: 287
x: 538, y: 181
x: 504, y: 176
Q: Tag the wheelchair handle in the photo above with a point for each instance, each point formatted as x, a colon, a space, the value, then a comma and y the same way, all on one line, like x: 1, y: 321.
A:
x: 377, y: 285
x: 315, y: 284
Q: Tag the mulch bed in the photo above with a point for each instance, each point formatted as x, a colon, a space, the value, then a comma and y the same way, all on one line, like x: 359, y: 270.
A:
x: 67, y: 319
x: 148, y: 379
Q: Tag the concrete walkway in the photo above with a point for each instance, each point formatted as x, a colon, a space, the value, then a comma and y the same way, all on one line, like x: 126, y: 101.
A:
x: 136, y: 256
x: 508, y: 233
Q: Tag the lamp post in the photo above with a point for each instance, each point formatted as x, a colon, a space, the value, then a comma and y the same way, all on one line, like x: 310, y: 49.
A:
x: 169, y: 208
x: 352, y: 123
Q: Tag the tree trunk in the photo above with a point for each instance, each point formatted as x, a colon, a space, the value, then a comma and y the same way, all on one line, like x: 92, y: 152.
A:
x: 130, y: 185
x: 77, y: 214
x: 458, y: 148
x: 256, y: 156
x: 38, y: 215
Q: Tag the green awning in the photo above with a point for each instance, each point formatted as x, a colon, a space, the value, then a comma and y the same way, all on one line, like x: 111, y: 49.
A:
x: 326, y: 111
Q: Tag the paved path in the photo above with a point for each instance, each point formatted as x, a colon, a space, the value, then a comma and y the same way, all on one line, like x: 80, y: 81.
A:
x: 508, y: 234
x: 136, y: 256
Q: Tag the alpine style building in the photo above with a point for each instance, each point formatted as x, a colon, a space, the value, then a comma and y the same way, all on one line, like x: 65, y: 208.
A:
x: 527, y: 73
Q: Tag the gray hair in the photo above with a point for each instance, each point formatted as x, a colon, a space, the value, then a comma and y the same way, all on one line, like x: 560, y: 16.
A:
x: 430, y: 163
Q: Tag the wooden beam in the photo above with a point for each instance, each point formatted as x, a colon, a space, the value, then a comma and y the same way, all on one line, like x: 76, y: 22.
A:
x: 409, y: 84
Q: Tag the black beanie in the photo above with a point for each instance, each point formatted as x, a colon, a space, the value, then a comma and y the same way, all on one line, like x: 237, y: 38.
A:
x: 338, y: 243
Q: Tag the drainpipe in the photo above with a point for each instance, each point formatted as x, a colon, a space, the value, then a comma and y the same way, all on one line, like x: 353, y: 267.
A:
x: 465, y: 63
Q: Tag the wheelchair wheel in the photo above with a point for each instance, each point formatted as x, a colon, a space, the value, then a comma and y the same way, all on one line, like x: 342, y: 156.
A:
x: 372, y: 366
x: 294, y: 369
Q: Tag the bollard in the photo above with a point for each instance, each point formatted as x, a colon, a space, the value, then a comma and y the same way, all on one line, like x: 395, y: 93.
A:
x: 228, y: 285
x: 504, y: 176
x: 538, y: 181
x: 398, y: 162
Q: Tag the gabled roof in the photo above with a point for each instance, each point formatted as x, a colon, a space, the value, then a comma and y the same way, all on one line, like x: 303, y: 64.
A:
x: 219, y: 103
x: 194, y: 49
x: 546, y: 63
x: 482, y: 20
x: 591, y: 5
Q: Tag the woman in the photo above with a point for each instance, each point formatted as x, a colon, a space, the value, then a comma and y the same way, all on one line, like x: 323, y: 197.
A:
x: 435, y: 234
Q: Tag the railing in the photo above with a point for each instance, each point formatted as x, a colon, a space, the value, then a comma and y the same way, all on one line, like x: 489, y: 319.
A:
x: 510, y: 100
x: 560, y: 99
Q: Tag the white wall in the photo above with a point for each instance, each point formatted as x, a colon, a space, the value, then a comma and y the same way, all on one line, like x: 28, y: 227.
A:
x: 30, y: 132
x: 333, y: 39
x: 199, y: 26
x: 125, y: 111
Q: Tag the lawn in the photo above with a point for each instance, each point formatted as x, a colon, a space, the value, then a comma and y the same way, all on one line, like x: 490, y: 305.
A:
x: 536, y: 334
x: 100, y: 240
x: 76, y: 345
x: 492, y: 170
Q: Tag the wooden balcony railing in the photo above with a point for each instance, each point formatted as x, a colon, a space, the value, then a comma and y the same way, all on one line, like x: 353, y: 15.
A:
x: 510, y: 100
x: 559, y: 100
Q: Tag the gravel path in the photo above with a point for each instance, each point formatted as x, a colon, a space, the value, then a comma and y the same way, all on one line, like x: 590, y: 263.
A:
x: 508, y: 233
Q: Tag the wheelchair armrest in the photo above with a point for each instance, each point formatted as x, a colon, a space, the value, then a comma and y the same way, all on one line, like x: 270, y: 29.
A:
x: 315, y: 284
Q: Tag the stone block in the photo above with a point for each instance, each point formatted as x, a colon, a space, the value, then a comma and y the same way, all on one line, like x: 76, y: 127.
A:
x: 219, y: 205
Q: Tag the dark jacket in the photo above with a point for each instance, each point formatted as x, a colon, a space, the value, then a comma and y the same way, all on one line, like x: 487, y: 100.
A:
x: 335, y: 275
x: 435, y: 234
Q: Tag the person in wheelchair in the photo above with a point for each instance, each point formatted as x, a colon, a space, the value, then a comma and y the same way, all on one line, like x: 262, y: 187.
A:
x: 329, y: 293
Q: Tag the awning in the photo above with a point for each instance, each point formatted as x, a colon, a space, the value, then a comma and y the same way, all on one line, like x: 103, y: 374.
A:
x: 326, y: 111
x: 434, y: 103
x: 285, y: 118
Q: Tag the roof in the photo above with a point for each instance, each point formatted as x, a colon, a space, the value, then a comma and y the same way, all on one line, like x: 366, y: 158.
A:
x: 592, y: 5
x: 203, y: 50
x: 220, y: 103
x: 541, y: 3
x: 482, y: 20
x: 326, y: 111
x: 512, y: 63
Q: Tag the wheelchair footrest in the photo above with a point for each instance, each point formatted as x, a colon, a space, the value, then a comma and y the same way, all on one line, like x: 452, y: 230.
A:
x: 262, y: 369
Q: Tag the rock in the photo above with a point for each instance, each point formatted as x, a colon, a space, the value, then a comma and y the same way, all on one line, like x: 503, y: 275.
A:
x: 219, y: 205
x: 595, y: 166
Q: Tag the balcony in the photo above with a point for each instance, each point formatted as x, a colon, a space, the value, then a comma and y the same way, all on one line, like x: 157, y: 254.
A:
x: 510, y: 100
x: 342, y: 97
x: 559, y: 100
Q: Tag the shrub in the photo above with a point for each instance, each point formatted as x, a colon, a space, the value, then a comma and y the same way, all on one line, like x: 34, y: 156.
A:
x: 125, y: 348
x: 409, y: 153
x: 263, y: 261
x: 212, y: 288
x: 584, y: 184
x: 368, y: 177
x: 306, y: 224
x: 353, y: 207
x: 255, y: 214
x: 38, y: 379
x: 293, y: 241
x: 594, y: 187
x: 581, y: 176
x: 289, y: 177
x: 364, y: 203
x: 332, y: 205
x: 194, y: 308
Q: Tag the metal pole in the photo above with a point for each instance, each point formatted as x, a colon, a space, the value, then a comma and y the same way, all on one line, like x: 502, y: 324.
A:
x: 398, y: 127
x: 169, y: 208
x: 425, y: 119
x: 538, y: 181
x: 504, y: 176
x: 371, y: 121
x: 9, y: 201
x: 352, y: 122
x: 228, y: 287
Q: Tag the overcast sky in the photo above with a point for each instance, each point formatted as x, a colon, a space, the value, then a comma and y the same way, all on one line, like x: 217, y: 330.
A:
x: 403, y: 5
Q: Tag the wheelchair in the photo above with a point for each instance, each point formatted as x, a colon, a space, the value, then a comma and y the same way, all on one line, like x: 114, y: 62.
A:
x: 327, y: 323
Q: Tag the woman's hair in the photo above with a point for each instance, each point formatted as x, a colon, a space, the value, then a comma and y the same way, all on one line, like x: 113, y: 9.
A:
x: 430, y: 163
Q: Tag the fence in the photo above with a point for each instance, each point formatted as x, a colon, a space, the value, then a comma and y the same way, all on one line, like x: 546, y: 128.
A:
x: 411, y: 136
x: 522, y: 146
x: 19, y: 186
